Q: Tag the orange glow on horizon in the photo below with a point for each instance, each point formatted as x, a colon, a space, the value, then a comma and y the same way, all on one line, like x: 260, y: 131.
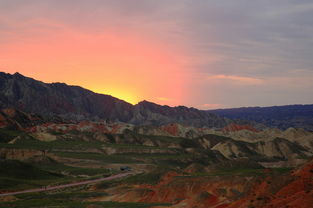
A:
x: 129, y: 67
x: 122, y: 94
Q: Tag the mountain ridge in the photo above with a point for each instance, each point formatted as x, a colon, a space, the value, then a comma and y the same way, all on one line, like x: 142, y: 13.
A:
x: 282, y: 117
x: 77, y: 103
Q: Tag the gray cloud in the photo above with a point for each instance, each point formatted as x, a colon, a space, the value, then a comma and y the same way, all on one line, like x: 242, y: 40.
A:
x: 270, y: 40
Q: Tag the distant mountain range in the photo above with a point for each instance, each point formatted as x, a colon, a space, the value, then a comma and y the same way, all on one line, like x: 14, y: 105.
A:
x: 61, y: 101
x: 282, y: 117
x: 53, y: 132
x: 76, y: 103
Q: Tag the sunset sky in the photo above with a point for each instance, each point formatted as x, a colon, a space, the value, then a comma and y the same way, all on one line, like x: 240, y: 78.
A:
x: 199, y: 53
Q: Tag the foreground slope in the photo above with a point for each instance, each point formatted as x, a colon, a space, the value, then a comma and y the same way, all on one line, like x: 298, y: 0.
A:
x: 292, y: 190
x: 265, y: 188
x: 177, y: 165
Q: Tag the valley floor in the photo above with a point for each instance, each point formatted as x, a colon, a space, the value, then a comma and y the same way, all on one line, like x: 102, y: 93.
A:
x: 173, y: 167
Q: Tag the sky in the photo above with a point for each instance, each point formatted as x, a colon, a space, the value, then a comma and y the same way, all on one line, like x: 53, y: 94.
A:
x: 199, y: 53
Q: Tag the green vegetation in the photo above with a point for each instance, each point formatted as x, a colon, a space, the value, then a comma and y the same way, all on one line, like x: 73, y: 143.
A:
x: 70, y: 170
x: 165, y: 139
x: 97, y: 156
x: 16, y: 175
x: 6, y: 134
x: 69, y: 200
x: 82, y: 149
x: 152, y: 177
x: 189, y: 143
x: 229, y: 172
x: 282, y: 170
x: 69, y: 193
x: 134, y: 146
x: 17, y: 169
x: 159, y: 158
x: 241, y: 172
x: 156, y: 155
x: 67, y: 144
x: 45, y: 171
x: 64, y: 203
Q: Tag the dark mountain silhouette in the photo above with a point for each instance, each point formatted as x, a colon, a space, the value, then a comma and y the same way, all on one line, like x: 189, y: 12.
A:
x: 77, y: 103
x: 282, y: 117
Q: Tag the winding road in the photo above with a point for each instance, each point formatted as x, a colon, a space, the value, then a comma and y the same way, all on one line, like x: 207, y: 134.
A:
x: 49, y: 188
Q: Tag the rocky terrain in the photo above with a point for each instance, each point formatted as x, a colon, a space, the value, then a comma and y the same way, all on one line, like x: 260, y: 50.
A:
x: 52, y: 134
x: 282, y: 117
x: 232, y: 190
x: 15, y: 119
x: 177, y: 165
x: 270, y: 147
x: 75, y: 103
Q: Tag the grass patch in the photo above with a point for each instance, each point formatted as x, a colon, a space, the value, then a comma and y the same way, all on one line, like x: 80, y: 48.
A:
x: 17, y: 175
x: 7, y: 135
x: 152, y: 177
x: 166, y: 139
x: 63, y: 144
x: 125, y: 158
x: 70, y: 200
x: 243, y: 172
x: 97, y: 156
x: 148, y: 178
x: 230, y: 172
x: 13, y: 184
x: 161, y: 156
x: 130, y: 204
x: 18, y: 169
x: 282, y: 170
x: 134, y: 146
x: 63, y: 203
x: 61, y: 195
x: 61, y: 168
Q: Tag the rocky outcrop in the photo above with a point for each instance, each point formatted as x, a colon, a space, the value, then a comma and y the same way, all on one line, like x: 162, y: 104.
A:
x: 58, y: 99
x: 147, y: 113
x: 268, y: 145
x: 282, y: 117
x: 45, y: 137
x: 276, y: 149
x: 293, y: 190
x: 298, y: 136
x: 16, y: 119
x: 235, y: 127
x: 19, y: 154
x: 184, y: 191
x: 75, y: 103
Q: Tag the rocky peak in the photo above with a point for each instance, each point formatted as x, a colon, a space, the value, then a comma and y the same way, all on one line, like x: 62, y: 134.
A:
x: 76, y: 103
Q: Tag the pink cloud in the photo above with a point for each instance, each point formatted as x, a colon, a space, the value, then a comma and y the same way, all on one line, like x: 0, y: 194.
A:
x: 238, y: 79
x: 207, y: 106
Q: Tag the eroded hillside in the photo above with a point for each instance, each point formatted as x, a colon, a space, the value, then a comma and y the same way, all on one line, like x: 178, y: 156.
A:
x: 172, y: 165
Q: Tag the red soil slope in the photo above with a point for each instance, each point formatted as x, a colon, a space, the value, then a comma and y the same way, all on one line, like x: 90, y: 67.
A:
x: 236, y: 127
x: 293, y: 191
x: 172, y: 129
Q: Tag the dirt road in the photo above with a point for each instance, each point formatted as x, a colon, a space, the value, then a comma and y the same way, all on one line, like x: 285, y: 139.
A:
x: 49, y: 188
